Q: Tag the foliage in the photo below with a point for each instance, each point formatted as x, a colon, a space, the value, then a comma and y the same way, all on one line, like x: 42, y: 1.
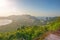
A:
x: 29, y: 33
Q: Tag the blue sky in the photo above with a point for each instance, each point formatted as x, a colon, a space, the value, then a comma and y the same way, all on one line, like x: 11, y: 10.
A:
x: 41, y: 7
x: 32, y: 7
x: 41, y: 4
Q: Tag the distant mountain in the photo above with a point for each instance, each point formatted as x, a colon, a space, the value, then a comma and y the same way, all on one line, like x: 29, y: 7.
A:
x: 28, y: 19
x: 25, y: 19
x: 18, y: 21
x: 22, y: 17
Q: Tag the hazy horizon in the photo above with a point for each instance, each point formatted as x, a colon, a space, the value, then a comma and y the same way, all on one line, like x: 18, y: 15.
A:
x: 31, y: 7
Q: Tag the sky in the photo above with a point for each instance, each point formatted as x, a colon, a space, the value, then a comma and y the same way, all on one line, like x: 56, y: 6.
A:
x: 31, y: 7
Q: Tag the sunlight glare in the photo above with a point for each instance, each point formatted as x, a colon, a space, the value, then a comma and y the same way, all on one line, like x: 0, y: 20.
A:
x: 3, y: 3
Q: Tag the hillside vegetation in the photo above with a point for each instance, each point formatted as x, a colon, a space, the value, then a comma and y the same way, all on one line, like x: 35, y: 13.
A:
x: 31, y: 32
